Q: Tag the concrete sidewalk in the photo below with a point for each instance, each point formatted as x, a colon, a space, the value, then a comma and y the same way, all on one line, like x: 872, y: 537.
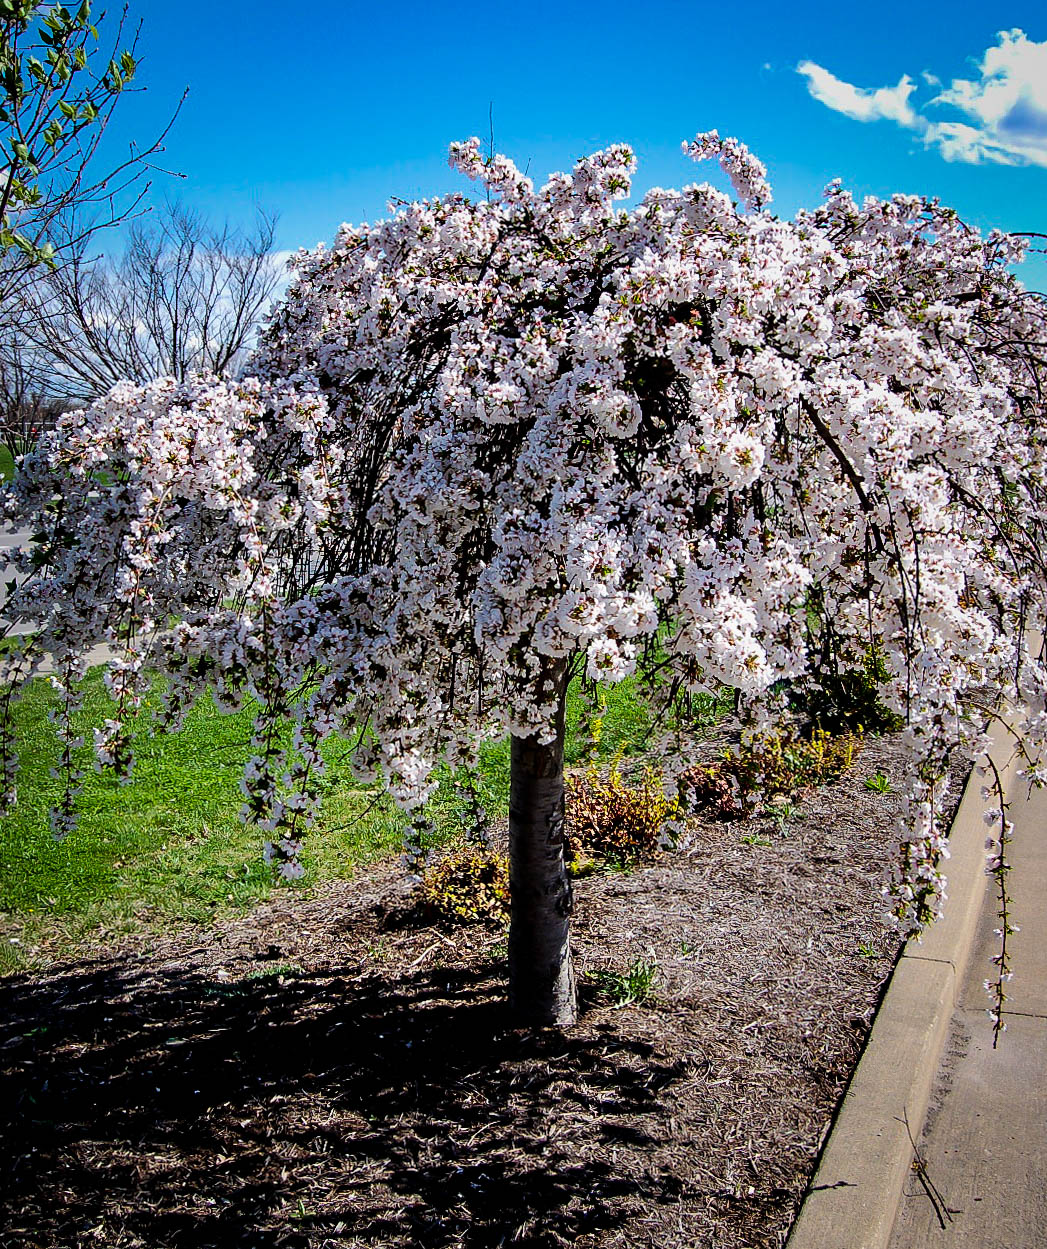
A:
x: 984, y: 1145
x: 929, y: 1072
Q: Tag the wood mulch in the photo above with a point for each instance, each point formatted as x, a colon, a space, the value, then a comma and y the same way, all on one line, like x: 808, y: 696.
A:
x: 319, y: 1073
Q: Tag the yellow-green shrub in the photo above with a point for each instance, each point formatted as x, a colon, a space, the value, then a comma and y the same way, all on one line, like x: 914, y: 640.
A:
x: 467, y: 885
x: 609, y: 819
x: 782, y: 763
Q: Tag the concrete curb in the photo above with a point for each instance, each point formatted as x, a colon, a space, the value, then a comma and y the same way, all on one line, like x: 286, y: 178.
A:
x: 854, y: 1196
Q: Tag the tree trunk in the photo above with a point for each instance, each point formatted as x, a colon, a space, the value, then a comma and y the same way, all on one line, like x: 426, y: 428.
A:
x: 541, y: 978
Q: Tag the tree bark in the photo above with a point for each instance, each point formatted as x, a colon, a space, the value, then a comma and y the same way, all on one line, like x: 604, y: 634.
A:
x: 541, y: 977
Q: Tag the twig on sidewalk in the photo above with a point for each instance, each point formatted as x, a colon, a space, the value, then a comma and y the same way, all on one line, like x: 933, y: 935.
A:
x: 919, y: 1166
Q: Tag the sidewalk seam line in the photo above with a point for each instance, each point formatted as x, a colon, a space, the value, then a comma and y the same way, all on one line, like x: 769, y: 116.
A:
x: 1018, y: 1014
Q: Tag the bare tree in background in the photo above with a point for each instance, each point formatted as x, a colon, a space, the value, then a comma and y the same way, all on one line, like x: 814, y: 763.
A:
x: 27, y: 406
x: 186, y: 295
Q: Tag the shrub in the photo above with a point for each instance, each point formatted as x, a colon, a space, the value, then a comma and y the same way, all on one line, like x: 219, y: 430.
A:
x: 609, y: 819
x: 468, y: 885
x: 782, y: 763
x: 848, y: 701
x: 707, y: 789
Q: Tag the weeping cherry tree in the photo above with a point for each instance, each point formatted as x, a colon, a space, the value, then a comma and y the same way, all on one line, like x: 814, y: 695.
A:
x: 491, y: 443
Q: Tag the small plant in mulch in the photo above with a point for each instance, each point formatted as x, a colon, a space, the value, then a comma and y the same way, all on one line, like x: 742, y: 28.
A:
x: 634, y: 986
x: 467, y: 885
x: 754, y: 839
x: 275, y: 975
x: 611, y: 820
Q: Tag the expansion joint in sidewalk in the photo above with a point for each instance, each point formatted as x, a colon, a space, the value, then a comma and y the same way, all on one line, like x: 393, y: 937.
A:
x: 1015, y: 1014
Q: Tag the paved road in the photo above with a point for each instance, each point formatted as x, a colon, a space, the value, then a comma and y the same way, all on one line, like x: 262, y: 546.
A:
x: 985, y: 1140
x: 7, y: 541
x: 97, y: 655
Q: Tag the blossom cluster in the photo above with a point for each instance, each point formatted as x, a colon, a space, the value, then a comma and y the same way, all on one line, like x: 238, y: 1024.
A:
x: 486, y: 437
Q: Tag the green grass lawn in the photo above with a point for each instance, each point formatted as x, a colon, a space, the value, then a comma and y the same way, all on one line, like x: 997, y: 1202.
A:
x: 7, y: 464
x: 169, y: 847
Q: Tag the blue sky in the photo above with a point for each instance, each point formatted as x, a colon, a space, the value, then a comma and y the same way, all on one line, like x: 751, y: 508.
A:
x: 323, y: 114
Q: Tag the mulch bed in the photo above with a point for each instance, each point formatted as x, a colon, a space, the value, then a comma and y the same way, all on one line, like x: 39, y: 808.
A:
x: 318, y: 1074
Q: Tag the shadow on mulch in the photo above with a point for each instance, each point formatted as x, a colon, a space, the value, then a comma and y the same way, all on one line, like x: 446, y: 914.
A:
x: 168, y: 1109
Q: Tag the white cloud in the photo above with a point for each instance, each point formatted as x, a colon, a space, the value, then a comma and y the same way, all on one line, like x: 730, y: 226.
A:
x: 861, y: 103
x: 1004, y: 109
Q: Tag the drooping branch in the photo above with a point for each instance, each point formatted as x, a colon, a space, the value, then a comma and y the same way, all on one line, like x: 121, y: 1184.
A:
x: 848, y: 469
